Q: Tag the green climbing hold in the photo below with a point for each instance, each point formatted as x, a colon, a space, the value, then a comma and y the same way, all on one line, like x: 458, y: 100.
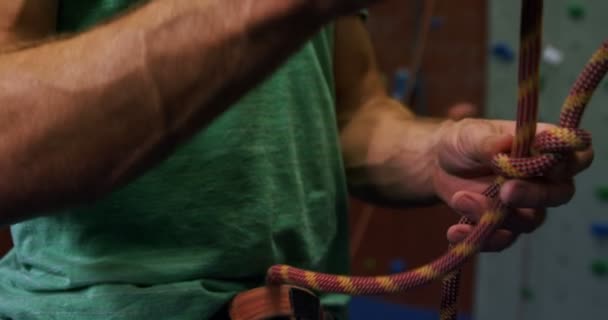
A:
x: 576, y: 11
x: 602, y: 194
x: 369, y: 263
x: 599, y: 268
x: 526, y: 294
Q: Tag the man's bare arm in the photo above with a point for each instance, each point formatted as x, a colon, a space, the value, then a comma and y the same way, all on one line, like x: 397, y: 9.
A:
x: 25, y: 21
x: 82, y: 116
x: 388, y: 151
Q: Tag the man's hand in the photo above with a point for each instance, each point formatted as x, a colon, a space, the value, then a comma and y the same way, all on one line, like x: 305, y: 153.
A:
x: 463, y: 172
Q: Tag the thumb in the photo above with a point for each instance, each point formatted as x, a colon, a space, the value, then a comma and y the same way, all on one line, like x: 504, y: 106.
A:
x: 490, y: 145
x: 472, y: 147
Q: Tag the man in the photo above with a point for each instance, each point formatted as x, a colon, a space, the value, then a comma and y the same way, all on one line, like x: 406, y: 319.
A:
x: 157, y: 164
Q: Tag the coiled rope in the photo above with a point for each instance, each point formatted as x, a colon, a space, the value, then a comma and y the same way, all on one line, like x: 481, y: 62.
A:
x: 531, y: 156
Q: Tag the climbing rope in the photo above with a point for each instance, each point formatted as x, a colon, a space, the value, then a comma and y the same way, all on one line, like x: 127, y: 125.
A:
x: 527, y: 110
x: 531, y: 156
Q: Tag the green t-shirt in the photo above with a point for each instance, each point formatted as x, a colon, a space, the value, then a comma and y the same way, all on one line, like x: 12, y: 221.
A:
x: 264, y: 184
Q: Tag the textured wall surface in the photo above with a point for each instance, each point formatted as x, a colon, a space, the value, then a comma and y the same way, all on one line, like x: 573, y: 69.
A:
x: 549, y: 275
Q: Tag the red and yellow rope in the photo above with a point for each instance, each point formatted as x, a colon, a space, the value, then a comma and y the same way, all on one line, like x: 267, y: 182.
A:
x: 531, y: 156
x: 527, y: 113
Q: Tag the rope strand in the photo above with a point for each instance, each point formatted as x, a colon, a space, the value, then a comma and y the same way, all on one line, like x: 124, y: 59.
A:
x: 527, y: 113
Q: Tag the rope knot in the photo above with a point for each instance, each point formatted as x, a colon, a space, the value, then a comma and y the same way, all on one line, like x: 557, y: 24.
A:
x: 549, y: 148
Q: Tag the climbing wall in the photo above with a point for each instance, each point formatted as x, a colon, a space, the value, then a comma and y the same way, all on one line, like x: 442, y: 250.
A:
x: 560, y: 272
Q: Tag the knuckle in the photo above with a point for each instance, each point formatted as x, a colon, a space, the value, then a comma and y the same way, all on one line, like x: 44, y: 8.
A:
x: 515, y: 194
x: 588, y: 158
x: 564, y: 193
x: 532, y: 194
x: 543, y: 197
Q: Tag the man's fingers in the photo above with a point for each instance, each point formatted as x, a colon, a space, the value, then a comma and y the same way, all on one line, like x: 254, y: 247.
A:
x: 537, y: 193
x: 583, y: 160
x: 473, y: 206
x: 447, y: 186
x: 573, y: 164
x: 470, y: 205
x: 580, y: 161
x: 508, y: 126
x: 499, y: 241
x: 468, y: 148
x: 525, y: 220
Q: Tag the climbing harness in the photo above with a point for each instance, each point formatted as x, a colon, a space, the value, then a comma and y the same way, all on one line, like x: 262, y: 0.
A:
x: 276, y: 302
x: 531, y: 156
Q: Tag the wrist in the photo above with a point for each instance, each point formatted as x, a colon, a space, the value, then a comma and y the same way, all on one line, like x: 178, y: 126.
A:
x: 439, y: 135
x: 438, y: 131
x: 409, y: 173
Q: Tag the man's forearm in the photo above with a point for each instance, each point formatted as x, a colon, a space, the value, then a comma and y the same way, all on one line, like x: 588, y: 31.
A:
x: 83, y: 115
x: 388, y: 151
x: 391, y: 154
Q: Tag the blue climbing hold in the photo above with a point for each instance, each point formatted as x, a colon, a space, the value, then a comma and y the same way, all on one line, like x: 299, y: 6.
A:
x: 397, y: 266
x: 436, y: 23
x: 401, y: 83
x: 599, y: 230
x: 503, y: 52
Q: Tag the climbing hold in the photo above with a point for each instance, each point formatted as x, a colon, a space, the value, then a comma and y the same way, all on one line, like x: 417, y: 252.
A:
x: 369, y: 263
x: 526, y: 294
x: 397, y: 266
x: 401, y: 82
x: 553, y: 56
x: 599, y: 230
x: 599, y: 268
x: 437, y: 22
x: 576, y: 11
x: 602, y: 194
x: 503, y: 52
